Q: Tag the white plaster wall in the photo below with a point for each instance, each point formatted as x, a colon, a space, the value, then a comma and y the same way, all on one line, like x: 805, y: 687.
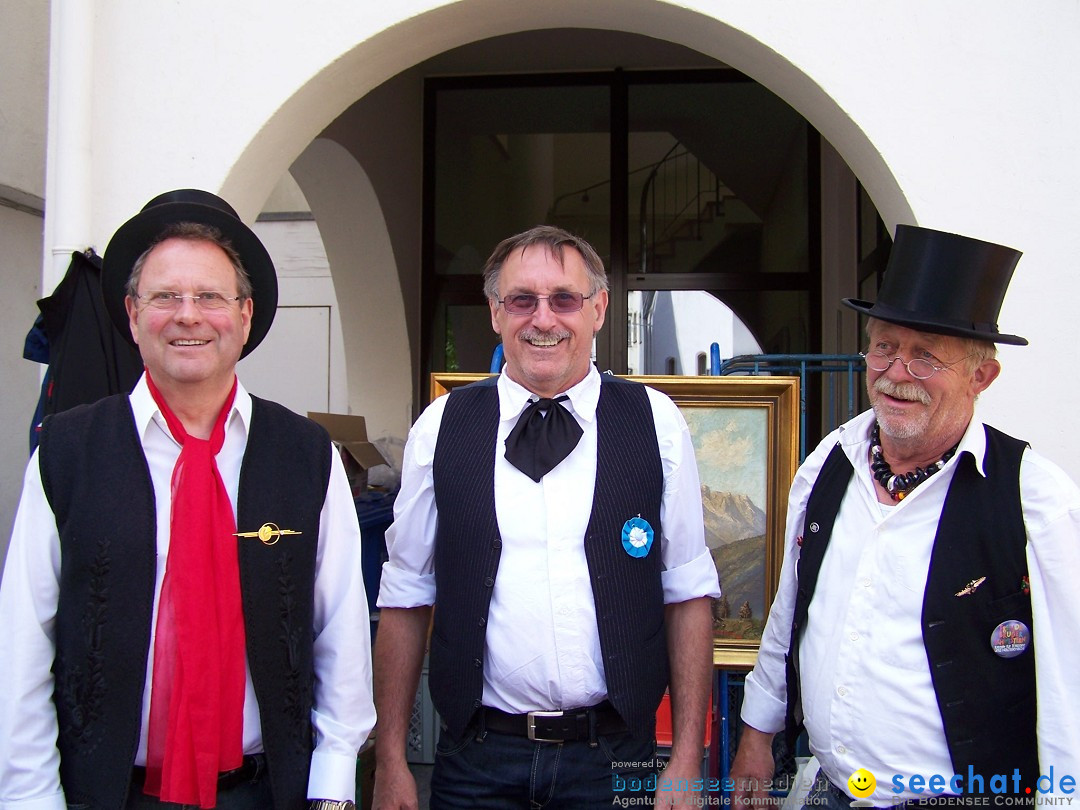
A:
x: 365, y: 277
x: 20, y: 259
x: 954, y: 115
x: 24, y: 63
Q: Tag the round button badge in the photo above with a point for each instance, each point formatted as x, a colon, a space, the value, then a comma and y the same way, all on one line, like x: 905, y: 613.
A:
x: 1010, y: 638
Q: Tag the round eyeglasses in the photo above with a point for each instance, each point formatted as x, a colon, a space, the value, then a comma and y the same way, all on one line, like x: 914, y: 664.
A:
x: 918, y: 368
x: 204, y: 301
x: 561, y: 303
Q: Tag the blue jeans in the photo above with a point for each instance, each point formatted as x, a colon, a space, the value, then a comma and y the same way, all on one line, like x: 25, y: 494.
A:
x: 502, y: 771
x: 823, y: 796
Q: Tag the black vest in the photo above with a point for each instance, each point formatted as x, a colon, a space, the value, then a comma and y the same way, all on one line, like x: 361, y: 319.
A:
x: 627, y: 591
x: 97, y: 481
x: 987, y: 702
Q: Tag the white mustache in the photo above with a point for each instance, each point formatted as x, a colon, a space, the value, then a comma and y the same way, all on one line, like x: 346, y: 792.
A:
x: 907, y: 391
x: 537, y: 334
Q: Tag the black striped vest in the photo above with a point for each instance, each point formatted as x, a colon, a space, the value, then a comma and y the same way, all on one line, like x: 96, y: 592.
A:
x: 627, y: 591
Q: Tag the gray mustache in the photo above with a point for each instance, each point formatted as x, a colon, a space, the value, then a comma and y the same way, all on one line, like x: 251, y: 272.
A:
x: 908, y: 391
x: 536, y: 334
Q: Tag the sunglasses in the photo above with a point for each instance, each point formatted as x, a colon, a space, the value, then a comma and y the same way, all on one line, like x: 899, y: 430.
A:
x: 561, y: 303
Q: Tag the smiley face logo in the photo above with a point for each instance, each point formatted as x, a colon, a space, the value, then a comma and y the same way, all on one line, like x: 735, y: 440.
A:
x: 861, y: 783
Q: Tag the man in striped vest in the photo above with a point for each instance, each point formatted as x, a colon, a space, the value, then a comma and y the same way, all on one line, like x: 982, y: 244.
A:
x: 553, y: 517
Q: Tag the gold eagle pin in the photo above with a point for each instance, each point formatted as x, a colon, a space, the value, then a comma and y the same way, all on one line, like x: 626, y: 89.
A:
x: 268, y: 533
x: 969, y: 589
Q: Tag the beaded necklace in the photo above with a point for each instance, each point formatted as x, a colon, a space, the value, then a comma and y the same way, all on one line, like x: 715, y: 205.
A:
x: 898, y: 486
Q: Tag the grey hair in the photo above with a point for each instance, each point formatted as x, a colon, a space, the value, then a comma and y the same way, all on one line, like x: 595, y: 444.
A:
x: 556, y: 240
x: 193, y: 232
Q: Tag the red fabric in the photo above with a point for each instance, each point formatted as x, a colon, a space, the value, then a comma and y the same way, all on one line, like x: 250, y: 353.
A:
x: 197, y: 693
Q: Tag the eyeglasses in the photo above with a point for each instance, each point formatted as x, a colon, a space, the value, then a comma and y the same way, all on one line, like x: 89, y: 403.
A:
x: 561, y: 303
x: 918, y: 368
x: 205, y: 301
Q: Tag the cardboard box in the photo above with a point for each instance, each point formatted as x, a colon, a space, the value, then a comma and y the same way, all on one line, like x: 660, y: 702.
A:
x: 349, y: 435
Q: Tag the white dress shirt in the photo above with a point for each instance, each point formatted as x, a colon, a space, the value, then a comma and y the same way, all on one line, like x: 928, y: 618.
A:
x: 343, y: 713
x: 543, y: 648
x: 867, y: 695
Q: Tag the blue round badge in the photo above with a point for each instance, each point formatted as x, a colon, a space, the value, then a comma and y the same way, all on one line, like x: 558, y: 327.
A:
x: 637, y: 537
x: 1010, y: 638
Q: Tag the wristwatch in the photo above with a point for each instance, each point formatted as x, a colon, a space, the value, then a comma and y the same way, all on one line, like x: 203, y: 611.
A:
x: 331, y: 804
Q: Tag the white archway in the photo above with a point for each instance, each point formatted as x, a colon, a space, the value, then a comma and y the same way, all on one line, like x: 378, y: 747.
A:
x: 319, y: 98
x: 362, y: 264
x: 941, y: 113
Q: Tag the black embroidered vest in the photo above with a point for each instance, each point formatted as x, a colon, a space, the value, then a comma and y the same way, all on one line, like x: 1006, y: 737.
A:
x: 95, y: 476
x: 987, y: 702
x: 627, y: 591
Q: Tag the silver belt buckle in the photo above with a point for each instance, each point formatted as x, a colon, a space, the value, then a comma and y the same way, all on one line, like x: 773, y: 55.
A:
x: 532, y: 725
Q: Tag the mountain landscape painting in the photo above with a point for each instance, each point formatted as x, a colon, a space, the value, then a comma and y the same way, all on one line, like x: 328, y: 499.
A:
x: 731, y: 445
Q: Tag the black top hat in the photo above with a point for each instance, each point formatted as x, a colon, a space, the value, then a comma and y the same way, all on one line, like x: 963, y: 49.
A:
x: 133, y: 238
x: 944, y: 283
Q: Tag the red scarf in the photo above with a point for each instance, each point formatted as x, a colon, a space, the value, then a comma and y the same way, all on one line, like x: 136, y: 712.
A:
x: 197, y: 694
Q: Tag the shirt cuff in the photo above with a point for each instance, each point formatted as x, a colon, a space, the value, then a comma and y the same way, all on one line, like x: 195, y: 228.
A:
x: 403, y: 589
x: 760, y: 709
x: 691, y: 580
x: 332, y: 776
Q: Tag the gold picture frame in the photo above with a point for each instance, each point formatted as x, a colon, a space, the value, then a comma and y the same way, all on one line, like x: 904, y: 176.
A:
x: 746, y: 439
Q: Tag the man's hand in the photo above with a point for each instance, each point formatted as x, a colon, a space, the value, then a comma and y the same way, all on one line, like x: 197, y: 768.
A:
x: 753, y: 768
x: 395, y: 787
x: 679, y: 772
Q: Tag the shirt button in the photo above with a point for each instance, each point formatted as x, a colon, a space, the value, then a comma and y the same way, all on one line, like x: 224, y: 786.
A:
x: 866, y: 582
x: 841, y: 749
x: 853, y: 636
x: 841, y: 691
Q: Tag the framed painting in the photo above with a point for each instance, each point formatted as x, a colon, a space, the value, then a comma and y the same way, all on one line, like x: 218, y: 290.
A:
x: 746, y: 439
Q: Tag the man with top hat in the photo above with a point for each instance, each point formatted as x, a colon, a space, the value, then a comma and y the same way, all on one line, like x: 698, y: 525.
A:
x: 552, y: 515
x: 927, y: 622
x: 183, y: 612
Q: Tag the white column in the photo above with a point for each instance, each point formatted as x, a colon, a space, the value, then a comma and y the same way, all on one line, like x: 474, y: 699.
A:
x: 68, y: 168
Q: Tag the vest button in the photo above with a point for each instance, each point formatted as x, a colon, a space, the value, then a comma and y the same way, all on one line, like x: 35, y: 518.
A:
x: 497, y: 544
x: 488, y: 582
x: 477, y: 663
x: 477, y: 704
x: 482, y: 622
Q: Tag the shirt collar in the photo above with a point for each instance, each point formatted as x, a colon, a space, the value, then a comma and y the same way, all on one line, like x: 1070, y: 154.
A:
x: 855, y: 439
x: 146, y: 411
x: 514, y: 398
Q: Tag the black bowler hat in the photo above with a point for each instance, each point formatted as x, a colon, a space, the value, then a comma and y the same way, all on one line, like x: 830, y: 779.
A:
x: 133, y: 238
x: 944, y: 283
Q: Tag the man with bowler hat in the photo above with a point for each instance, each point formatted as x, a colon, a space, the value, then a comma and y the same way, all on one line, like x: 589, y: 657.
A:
x: 927, y: 620
x: 183, y: 614
x: 552, y: 515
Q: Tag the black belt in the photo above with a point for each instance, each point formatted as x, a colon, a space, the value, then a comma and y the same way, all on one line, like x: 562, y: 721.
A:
x: 253, y: 766
x: 571, y: 725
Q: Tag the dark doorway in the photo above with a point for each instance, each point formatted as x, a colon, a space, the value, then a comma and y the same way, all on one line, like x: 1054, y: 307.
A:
x: 689, y: 181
